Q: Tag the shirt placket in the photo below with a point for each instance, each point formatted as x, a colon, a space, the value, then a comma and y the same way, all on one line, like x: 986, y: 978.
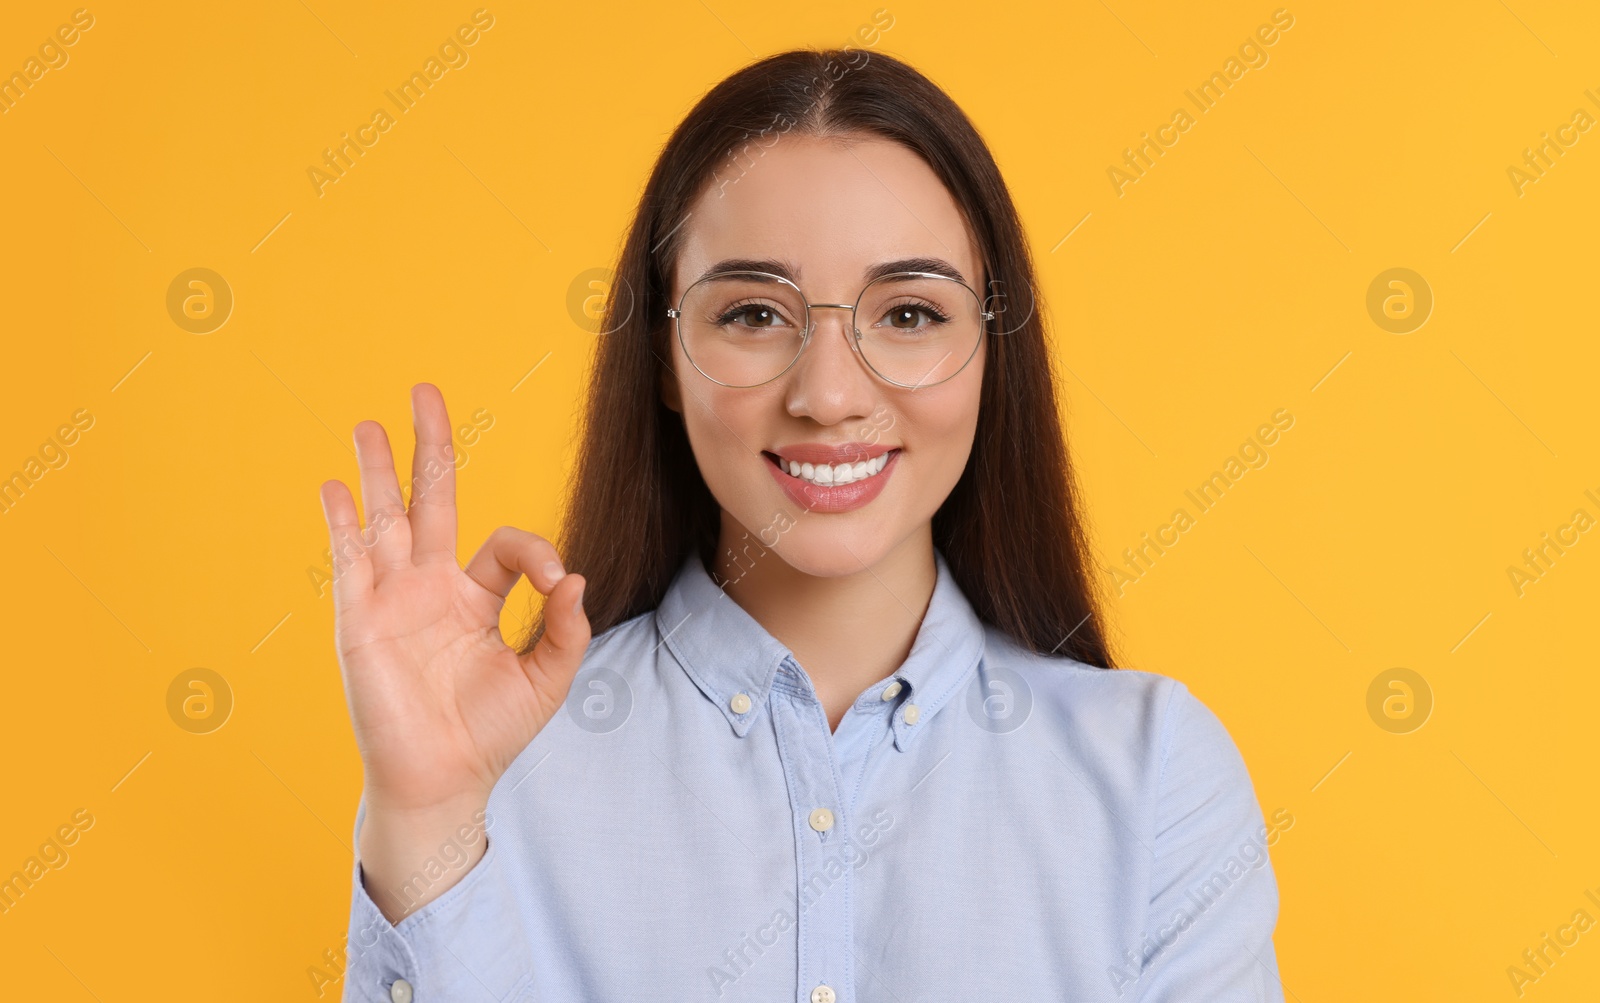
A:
x: 821, y: 820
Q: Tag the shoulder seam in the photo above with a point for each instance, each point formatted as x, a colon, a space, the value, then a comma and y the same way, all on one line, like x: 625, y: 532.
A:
x: 1167, y: 727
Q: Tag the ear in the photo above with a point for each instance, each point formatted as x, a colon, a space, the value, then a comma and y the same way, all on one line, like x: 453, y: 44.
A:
x: 669, y: 390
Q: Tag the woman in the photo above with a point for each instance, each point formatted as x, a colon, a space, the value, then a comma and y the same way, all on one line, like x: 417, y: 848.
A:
x: 838, y: 719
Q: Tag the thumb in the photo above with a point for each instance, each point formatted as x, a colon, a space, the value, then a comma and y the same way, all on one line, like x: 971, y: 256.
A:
x: 554, y: 661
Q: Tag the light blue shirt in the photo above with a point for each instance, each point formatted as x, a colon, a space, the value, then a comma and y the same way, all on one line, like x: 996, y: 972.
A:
x: 986, y: 824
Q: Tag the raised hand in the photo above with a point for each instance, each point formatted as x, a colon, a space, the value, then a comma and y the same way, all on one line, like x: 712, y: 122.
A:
x: 440, y: 703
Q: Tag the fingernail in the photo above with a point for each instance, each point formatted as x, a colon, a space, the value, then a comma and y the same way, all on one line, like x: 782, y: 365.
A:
x: 577, y: 604
x: 554, y: 571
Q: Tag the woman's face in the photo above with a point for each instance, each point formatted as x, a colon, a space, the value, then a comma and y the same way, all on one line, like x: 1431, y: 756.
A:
x: 831, y: 212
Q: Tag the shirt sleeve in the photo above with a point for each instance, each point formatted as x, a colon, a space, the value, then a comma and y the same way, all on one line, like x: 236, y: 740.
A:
x: 1214, y: 898
x: 467, y: 944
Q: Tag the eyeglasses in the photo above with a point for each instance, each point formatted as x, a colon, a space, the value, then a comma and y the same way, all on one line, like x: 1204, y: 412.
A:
x: 743, y: 329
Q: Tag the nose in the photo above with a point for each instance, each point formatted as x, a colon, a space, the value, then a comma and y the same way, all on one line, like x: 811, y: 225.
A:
x: 830, y: 383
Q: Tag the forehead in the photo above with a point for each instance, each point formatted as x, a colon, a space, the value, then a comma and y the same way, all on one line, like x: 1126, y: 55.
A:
x: 831, y: 208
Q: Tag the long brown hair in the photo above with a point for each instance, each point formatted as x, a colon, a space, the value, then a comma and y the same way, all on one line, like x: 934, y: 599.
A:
x: 1010, y: 529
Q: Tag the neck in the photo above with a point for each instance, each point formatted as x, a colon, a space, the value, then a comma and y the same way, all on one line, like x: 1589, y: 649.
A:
x: 847, y: 631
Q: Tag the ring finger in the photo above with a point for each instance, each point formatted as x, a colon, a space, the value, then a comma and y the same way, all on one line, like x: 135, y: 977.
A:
x: 387, y: 536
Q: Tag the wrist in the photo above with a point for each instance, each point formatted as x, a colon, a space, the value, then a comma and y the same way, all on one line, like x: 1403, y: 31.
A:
x: 411, y: 856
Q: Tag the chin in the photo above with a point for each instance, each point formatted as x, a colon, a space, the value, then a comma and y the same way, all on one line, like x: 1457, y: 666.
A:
x: 831, y: 554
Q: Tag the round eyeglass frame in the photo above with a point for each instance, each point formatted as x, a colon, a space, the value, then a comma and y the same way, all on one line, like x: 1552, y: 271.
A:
x: 676, y: 313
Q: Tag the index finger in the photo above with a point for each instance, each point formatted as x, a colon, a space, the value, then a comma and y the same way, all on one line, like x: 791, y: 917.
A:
x: 433, y: 477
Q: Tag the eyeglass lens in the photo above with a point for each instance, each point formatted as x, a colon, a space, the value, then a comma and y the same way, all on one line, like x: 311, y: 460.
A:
x: 745, y: 328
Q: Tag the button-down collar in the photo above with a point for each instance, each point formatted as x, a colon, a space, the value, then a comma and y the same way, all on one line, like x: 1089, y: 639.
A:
x: 725, y: 651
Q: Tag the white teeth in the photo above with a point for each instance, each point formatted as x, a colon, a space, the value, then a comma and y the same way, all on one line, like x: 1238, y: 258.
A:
x: 828, y: 475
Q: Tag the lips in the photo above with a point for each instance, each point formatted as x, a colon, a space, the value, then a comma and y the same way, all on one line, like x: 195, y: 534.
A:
x: 834, y: 498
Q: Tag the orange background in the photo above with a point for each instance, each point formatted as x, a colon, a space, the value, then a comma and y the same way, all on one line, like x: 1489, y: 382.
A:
x: 1230, y: 281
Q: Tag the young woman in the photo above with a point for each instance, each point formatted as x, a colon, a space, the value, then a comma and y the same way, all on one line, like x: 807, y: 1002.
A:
x: 838, y: 720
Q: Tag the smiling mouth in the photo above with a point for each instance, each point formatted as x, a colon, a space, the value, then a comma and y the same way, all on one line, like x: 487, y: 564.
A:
x: 831, y: 475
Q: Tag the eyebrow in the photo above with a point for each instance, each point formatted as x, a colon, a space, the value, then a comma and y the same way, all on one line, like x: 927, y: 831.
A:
x: 791, y: 271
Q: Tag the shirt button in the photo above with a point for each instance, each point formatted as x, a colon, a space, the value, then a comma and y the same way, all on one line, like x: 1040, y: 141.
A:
x: 912, y: 713
x: 822, y: 821
x: 740, y: 703
x: 822, y: 994
x: 892, y: 690
x: 400, y: 992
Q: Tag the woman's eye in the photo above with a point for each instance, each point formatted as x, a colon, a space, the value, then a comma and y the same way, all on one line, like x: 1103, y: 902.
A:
x: 754, y: 316
x: 910, y: 317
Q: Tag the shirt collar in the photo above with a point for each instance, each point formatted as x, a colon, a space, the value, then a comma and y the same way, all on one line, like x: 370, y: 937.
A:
x: 726, y: 652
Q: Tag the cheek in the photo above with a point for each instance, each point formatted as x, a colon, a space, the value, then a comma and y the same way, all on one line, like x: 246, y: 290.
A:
x: 725, y: 434
x: 943, y: 435
x: 941, y: 428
